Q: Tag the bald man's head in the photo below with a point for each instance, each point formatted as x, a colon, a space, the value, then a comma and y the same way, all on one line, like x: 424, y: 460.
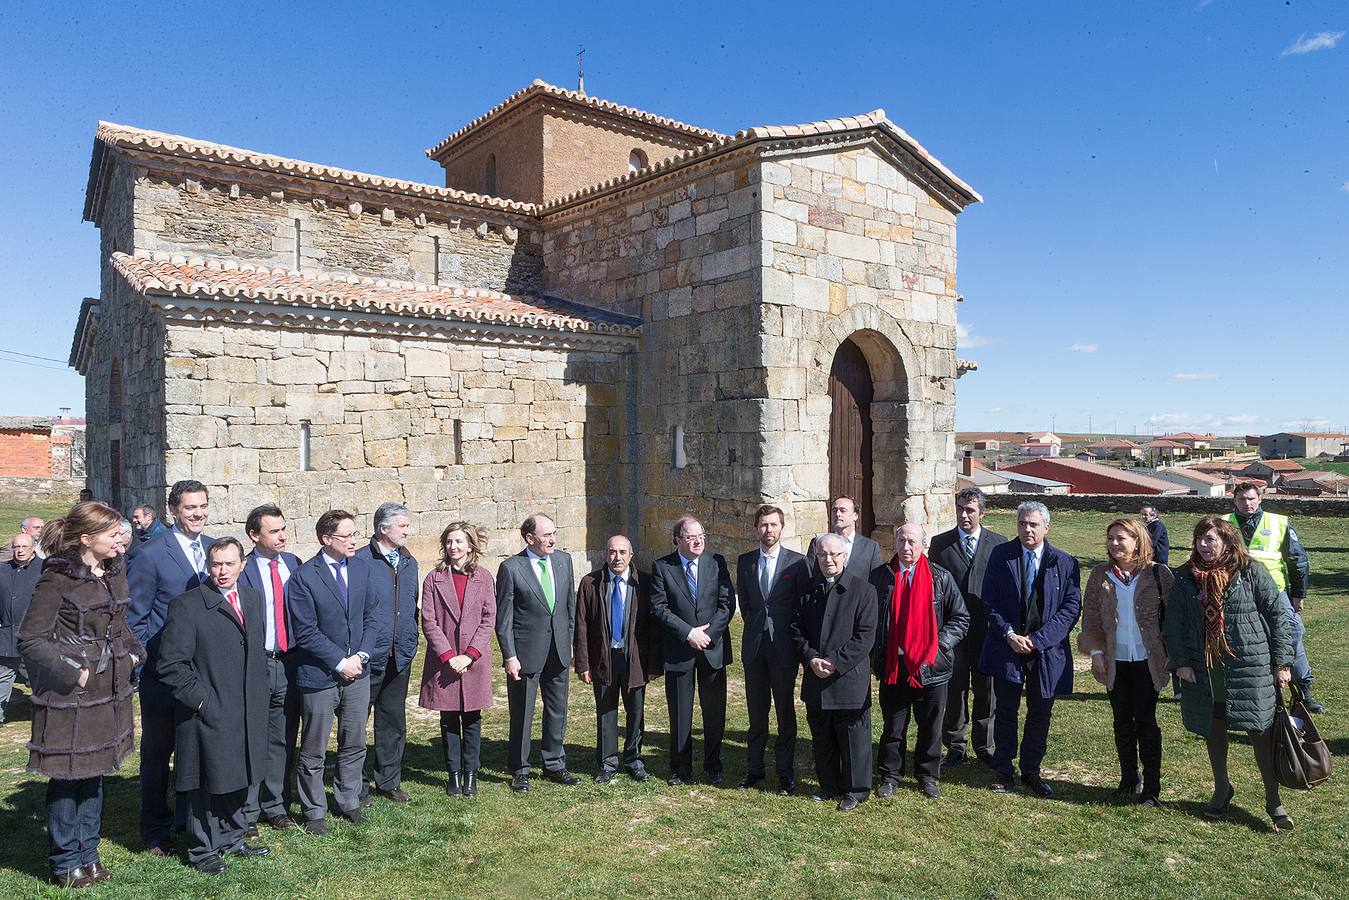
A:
x: 910, y: 542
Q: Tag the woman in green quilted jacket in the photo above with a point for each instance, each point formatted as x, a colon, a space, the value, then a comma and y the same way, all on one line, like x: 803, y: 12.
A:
x: 1231, y: 647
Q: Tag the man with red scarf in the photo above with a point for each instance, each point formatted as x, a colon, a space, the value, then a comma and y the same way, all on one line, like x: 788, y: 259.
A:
x: 922, y: 619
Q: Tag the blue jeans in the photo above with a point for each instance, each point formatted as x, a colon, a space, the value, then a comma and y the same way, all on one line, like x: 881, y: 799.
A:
x: 74, y: 819
x: 1302, y: 667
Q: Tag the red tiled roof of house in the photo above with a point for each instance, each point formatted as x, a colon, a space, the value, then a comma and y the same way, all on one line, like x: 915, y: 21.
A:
x: 1160, y: 444
x: 193, y: 277
x: 1104, y: 471
x: 1113, y: 444
x: 1278, y: 465
x: 540, y: 87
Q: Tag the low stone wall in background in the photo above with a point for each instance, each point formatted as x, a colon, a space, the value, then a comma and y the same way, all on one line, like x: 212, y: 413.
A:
x: 40, y: 490
x: 1132, y: 503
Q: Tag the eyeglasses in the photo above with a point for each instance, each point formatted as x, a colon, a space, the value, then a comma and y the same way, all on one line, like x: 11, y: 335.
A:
x: 832, y: 554
x: 343, y: 537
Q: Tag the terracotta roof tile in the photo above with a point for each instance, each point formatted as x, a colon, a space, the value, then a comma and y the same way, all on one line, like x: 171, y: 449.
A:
x: 195, y: 277
x: 1277, y: 465
x: 114, y: 135
x: 542, y: 87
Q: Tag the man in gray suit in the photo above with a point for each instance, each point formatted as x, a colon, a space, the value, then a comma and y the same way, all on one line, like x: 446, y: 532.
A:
x: 536, y: 622
x: 864, y: 554
x: 963, y: 551
x: 693, y: 600
x: 768, y: 581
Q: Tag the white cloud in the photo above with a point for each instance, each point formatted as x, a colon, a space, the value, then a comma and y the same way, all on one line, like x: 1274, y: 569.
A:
x: 1185, y: 421
x: 967, y: 341
x: 1084, y: 348
x: 1311, y: 423
x: 1322, y: 40
x: 1195, y: 376
x: 996, y: 409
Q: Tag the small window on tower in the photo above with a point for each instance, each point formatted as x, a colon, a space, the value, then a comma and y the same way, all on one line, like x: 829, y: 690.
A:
x: 490, y: 176
x: 636, y: 161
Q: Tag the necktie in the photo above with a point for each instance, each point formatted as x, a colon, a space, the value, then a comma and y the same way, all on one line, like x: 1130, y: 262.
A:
x: 546, y: 580
x: 969, y: 547
x: 692, y: 577
x: 233, y: 598
x: 198, y: 557
x: 392, y: 558
x: 279, y: 608
x: 765, y: 578
x: 616, y: 613
x: 340, y: 576
x: 1027, y: 576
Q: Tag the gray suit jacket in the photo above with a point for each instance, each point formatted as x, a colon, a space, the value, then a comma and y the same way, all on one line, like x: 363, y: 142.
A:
x: 525, y: 629
x: 865, y: 557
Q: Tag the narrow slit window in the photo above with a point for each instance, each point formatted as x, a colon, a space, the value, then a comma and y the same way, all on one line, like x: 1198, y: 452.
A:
x: 297, y: 243
x: 304, y: 448
x: 458, y: 442
x: 678, y: 458
x: 435, y: 248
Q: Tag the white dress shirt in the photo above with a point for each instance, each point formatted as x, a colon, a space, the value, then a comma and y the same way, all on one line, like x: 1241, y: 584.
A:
x: 186, y: 543
x: 1128, y: 636
x: 264, y: 567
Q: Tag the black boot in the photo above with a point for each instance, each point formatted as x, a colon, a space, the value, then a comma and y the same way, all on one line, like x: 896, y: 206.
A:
x: 452, y: 786
x: 471, y: 783
x: 1304, y: 692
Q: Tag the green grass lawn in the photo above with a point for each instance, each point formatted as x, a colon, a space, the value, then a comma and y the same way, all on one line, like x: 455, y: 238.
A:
x: 651, y: 840
x: 1321, y: 465
x: 12, y: 514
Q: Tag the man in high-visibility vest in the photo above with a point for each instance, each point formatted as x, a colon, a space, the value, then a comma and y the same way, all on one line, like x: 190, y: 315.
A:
x: 1271, y: 541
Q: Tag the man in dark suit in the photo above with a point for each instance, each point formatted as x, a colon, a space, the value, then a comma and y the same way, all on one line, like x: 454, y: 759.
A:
x: 834, y: 630
x: 922, y: 620
x: 267, y: 570
x: 164, y: 568
x: 536, y: 624
x: 1161, y: 541
x: 617, y: 649
x: 864, y: 554
x: 211, y: 659
x: 18, y: 577
x: 335, y: 612
x: 395, y: 578
x: 963, y: 551
x: 1033, y: 597
x: 692, y: 598
x: 768, y: 581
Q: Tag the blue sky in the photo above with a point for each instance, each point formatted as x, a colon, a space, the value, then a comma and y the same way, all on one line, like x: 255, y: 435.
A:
x: 1163, y: 243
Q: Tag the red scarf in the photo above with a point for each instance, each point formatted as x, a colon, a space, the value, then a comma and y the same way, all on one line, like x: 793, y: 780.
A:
x: 913, y: 623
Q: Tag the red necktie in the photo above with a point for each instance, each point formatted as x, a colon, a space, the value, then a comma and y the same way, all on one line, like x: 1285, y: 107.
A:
x: 233, y: 598
x: 279, y: 608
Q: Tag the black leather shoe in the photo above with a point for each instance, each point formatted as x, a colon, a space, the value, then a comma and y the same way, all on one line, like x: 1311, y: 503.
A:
x: 604, y: 777
x: 520, y: 784
x: 211, y: 865
x: 471, y: 783
x: 929, y: 788
x: 316, y: 826
x: 714, y: 778
x: 354, y: 816
x: 953, y: 758
x: 638, y: 775
x: 1037, y: 786
x: 281, y: 823
x: 887, y: 789
x: 748, y: 782
x: 562, y: 776
x: 985, y: 758
x: 1280, y: 819
x: 1002, y: 785
x: 251, y: 851
x: 97, y: 873
x: 453, y: 786
x: 848, y: 803
x: 786, y: 787
x: 77, y: 877
x: 397, y: 795
x: 675, y: 781
x: 251, y: 833
x: 1128, y: 789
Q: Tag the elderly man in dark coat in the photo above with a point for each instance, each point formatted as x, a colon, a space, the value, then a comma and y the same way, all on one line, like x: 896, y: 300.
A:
x: 212, y: 657
x: 834, y: 631
x: 18, y: 578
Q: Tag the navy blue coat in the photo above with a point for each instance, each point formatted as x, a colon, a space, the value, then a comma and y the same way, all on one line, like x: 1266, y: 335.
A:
x: 1060, y: 581
x: 398, y: 599
x: 323, y: 631
x: 249, y: 577
x: 158, y: 572
x: 16, y: 593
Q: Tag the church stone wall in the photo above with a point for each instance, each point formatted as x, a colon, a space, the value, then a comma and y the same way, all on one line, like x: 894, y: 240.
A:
x: 256, y: 225
x: 489, y: 434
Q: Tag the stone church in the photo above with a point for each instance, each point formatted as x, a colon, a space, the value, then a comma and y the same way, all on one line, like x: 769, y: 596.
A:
x: 604, y: 314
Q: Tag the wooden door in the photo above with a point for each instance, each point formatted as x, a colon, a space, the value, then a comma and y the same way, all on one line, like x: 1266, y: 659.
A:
x: 850, y: 392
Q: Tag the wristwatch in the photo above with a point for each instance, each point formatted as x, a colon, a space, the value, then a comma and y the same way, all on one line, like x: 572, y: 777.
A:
x: 364, y: 657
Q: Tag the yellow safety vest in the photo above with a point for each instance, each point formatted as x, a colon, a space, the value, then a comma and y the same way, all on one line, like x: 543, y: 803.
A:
x: 1266, y: 546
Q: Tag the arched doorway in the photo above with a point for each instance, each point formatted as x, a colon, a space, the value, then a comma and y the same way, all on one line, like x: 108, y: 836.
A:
x: 850, y: 431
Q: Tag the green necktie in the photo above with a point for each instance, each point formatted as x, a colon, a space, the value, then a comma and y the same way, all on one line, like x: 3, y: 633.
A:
x: 546, y: 579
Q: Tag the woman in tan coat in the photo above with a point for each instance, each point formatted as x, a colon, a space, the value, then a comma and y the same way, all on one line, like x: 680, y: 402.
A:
x: 458, y: 619
x: 1122, y: 609
x: 80, y: 652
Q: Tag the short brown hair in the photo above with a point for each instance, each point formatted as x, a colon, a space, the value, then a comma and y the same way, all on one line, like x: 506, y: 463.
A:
x: 833, y: 500
x: 1244, y: 486
x: 327, y: 524
x: 768, y: 510
x: 1139, y: 532
x: 477, y: 543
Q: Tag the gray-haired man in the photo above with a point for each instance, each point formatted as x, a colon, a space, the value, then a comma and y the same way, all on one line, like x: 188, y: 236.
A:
x: 394, y: 574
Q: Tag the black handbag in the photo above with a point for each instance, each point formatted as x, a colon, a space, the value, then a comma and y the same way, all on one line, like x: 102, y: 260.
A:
x: 1301, y: 759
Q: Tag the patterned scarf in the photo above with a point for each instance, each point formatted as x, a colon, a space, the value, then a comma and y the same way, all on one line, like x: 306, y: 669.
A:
x: 1212, y: 579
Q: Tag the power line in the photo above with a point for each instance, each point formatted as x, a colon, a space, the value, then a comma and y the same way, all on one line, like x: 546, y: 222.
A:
x: 24, y: 362
x: 31, y: 356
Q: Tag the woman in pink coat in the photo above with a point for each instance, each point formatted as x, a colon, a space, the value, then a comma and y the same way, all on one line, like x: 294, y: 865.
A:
x: 458, y: 617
